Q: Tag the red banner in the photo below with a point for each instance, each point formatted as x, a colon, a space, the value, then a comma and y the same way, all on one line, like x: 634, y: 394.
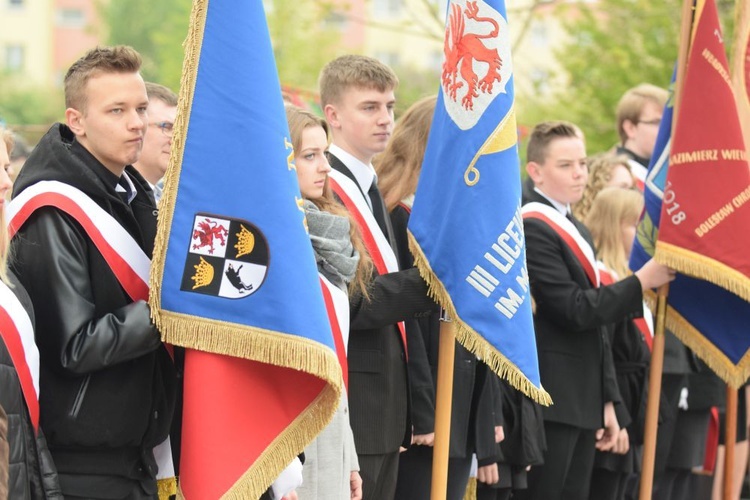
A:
x: 706, y: 200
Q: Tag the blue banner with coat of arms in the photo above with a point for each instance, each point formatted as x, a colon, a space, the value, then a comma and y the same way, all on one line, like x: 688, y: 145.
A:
x: 234, y: 278
x: 465, y: 228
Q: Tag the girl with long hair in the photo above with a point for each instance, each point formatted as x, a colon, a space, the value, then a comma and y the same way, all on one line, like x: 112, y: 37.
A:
x: 612, y: 220
x: 331, y: 465
x: 605, y: 170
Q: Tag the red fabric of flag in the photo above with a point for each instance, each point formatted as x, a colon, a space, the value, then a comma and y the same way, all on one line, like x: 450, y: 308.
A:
x: 706, y: 200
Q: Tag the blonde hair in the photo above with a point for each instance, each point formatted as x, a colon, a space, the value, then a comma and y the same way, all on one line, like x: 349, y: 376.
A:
x: 7, y: 140
x: 355, y: 71
x: 632, y: 103
x: 601, y: 167
x: 117, y: 59
x: 612, y: 208
x: 399, y: 165
x: 300, y: 119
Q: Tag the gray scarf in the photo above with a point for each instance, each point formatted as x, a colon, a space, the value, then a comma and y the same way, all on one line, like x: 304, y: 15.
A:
x: 336, y: 257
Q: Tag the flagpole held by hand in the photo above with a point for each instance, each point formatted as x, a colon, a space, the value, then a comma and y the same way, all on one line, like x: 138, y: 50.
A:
x: 654, y: 393
x: 657, y: 355
x: 730, y: 426
x: 443, y: 405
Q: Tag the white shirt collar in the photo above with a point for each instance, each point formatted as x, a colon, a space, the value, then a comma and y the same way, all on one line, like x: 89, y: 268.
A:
x: 364, y: 174
x: 563, y: 209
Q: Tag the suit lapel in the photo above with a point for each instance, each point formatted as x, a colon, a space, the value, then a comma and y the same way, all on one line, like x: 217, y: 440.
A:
x: 533, y: 196
x: 381, y: 216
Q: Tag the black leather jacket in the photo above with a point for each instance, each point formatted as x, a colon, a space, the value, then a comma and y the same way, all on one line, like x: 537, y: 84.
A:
x: 107, y: 383
x: 32, y: 475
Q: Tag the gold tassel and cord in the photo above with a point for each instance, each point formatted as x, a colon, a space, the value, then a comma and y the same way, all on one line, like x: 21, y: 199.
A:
x: 470, y: 339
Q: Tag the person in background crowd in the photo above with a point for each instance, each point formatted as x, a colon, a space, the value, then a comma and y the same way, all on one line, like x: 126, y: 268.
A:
x: 26, y: 467
x: 638, y: 117
x: 157, y: 141
x: 612, y: 220
x: 605, y: 170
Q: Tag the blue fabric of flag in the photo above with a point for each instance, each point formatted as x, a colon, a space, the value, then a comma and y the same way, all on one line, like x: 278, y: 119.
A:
x: 235, y: 164
x: 466, y: 227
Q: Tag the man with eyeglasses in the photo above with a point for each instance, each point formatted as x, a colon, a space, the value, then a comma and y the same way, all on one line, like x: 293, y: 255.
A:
x: 638, y: 117
x: 157, y: 142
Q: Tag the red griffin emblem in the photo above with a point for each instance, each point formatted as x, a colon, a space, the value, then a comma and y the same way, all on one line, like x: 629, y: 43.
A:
x: 208, y: 231
x: 464, y: 49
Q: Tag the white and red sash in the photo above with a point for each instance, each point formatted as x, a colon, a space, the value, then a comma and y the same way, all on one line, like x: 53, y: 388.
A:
x: 129, y: 263
x: 645, y: 324
x: 639, y: 174
x: 123, y: 254
x: 380, y: 250
x: 337, y: 307
x: 17, y: 333
x: 569, y: 234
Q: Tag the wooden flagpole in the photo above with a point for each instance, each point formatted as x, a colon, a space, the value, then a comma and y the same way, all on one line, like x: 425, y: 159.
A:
x: 739, y: 70
x: 654, y: 393
x: 730, y: 433
x: 443, y: 403
x: 657, y: 354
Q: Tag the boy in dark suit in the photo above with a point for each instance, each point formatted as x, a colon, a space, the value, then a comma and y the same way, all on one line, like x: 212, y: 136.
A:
x: 357, y: 94
x: 573, y: 311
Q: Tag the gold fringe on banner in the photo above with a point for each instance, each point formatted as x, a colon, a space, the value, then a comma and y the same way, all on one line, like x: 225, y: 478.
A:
x: 256, y: 344
x: 231, y: 339
x: 192, y: 47
x: 702, y: 267
x: 254, y: 482
x: 470, y: 339
x: 734, y: 375
x: 274, y: 348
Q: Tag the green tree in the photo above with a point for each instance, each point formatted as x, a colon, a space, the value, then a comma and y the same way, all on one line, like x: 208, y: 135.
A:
x: 614, y: 45
x: 22, y: 104
x: 305, y: 37
x: 303, y: 33
x: 155, y: 29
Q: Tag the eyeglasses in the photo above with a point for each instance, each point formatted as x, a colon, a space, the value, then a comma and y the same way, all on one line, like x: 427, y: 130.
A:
x: 653, y: 121
x: 166, y: 127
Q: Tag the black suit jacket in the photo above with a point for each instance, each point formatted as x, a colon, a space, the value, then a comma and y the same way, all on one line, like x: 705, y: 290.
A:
x: 378, y: 385
x: 571, y: 322
x: 424, y: 339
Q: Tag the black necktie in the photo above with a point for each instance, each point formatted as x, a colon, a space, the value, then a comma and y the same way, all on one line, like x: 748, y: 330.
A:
x: 378, y: 210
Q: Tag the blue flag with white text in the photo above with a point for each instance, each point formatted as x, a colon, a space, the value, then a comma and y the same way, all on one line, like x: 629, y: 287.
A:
x: 465, y: 228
